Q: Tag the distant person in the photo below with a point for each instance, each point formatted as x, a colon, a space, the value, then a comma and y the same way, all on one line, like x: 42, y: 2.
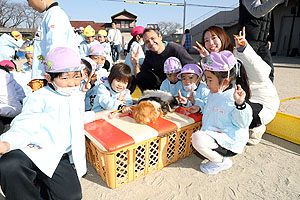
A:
x: 115, y: 38
x: 55, y: 30
x: 9, y: 44
x: 226, y: 116
x: 256, y: 17
x: 186, y: 41
x: 89, y: 40
x: 102, y: 38
x: 27, y: 67
x: 151, y: 74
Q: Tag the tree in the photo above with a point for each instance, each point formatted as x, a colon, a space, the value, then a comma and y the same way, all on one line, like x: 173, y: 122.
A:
x: 13, y: 14
x: 168, y: 27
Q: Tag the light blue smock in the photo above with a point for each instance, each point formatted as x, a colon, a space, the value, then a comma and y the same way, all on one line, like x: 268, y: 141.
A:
x: 135, y: 45
x: 55, y: 123
x: 225, y: 123
x: 54, y: 31
x: 200, y: 96
x: 26, y: 67
x: 107, y: 50
x: 107, y: 99
x: 8, y: 46
x: 173, y: 88
x: 85, y: 47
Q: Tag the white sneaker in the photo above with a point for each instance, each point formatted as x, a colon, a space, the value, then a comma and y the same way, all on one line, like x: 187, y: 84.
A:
x: 256, y: 134
x: 214, y: 167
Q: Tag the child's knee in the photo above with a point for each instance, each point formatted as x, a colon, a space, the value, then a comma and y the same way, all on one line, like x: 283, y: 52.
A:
x: 197, y: 139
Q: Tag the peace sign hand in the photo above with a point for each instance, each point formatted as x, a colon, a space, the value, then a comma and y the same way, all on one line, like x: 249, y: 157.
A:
x: 239, y: 95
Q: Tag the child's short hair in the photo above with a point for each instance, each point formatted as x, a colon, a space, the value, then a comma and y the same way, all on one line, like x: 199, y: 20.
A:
x: 88, y: 66
x: 120, y: 71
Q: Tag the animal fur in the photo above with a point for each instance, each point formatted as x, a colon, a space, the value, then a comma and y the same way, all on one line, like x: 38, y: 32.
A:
x: 153, y: 103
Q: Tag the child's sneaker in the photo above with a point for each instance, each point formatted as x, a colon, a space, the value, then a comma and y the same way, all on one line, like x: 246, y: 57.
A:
x: 256, y: 134
x: 214, y: 167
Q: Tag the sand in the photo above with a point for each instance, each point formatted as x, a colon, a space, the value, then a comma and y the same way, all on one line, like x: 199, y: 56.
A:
x: 270, y: 170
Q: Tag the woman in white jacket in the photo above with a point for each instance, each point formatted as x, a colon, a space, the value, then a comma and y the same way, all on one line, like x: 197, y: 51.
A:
x: 264, y: 99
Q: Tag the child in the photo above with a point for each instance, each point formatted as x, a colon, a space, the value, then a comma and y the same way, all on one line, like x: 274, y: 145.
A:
x: 11, y: 95
x: 47, y: 134
x: 194, y: 93
x: 172, y: 67
x: 226, y: 116
x: 102, y: 38
x: 112, y: 94
x: 97, y: 54
x: 9, y: 44
x: 27, y: 67
x: 55, y: 30
x: 264, y: 99
x: 89, y: 40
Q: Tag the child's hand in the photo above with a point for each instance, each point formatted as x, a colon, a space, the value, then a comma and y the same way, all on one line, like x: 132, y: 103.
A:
x: 240, y: 40
x: 4, y: 147
x: 86, y: 87
x: 191, y: 97
x: 194, y: 109
x: 105, y: 114
x: 134, y: 56
x: 202, y: 51
x: 122, y: 98
x: 239, y: 95
x: 183, y: 100
x: 93, y: 79
x: 127, y: 109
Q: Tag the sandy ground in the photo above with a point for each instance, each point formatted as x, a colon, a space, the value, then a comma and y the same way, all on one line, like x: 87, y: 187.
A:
x: 270, y: 170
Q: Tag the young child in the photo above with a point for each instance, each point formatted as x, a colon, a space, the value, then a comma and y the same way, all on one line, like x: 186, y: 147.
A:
x: 172, y: 68
x: 27, y: 67
x: 89, y: 40
x: 11, y: 95
x: 97, y: 54
x: 102, y: 38
x: 226, y: 116
x: 9, y: 44
x: 49, y: 132
x: 194, y: 93
x: 55, y: 30
x: 112, y: 94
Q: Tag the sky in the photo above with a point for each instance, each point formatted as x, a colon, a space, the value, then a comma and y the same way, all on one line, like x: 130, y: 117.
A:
x: 102, y: 10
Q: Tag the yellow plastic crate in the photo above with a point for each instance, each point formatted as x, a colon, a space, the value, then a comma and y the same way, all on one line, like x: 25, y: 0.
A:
x: 127, y: 164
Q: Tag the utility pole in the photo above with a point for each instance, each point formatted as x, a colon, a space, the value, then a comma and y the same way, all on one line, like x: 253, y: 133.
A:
x: 184, y: 11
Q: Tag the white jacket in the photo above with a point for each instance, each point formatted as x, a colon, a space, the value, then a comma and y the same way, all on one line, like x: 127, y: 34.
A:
x: 11, y: 95
x: 262, y: 89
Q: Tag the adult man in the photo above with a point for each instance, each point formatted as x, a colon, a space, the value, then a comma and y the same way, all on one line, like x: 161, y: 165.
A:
x: 115, y: 38
x: 256, y: 16
x: 151, y: 73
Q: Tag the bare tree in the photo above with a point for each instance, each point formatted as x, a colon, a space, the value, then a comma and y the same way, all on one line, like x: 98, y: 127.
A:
x: 168, y: 27
x: 13, y: 14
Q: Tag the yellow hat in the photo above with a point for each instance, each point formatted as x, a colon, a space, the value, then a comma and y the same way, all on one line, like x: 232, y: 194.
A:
x: 29, y: 49
x: 16, y: 34
x: 89, y: 31
x: 102, y: 32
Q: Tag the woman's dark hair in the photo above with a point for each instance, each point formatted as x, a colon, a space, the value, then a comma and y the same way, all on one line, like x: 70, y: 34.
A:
x: 4, y: 68
x: 120, y: 71
x: 133, y: 39
x: 240, y: 79
x: 87, y: 65
x: 222, y: 35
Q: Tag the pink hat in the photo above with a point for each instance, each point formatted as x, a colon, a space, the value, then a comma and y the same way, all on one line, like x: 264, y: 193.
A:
x: 190, y: 69
x: 94, y: 65
x: 63, y: 59
x: 97, y: 50
x: 172, y: 65
x: 222, y: 61
x: 7, y: 63
x: 137, y: 30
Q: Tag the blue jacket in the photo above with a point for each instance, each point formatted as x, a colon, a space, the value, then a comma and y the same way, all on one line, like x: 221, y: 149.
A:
x: 107, y: 99
x: 54, y: 31
x: 85, y: 47
x: 50, y: 125
x: 167, y: 86
x: 8, y: 46
x: 135, y: 46
x: 225, y: 123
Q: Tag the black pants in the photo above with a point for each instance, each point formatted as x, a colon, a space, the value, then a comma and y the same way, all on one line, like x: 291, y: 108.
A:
x: 262, y: 49
x: 4, y: 121
x: 256, y: 108
x: 224, y: 152
x: 20, y: 179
